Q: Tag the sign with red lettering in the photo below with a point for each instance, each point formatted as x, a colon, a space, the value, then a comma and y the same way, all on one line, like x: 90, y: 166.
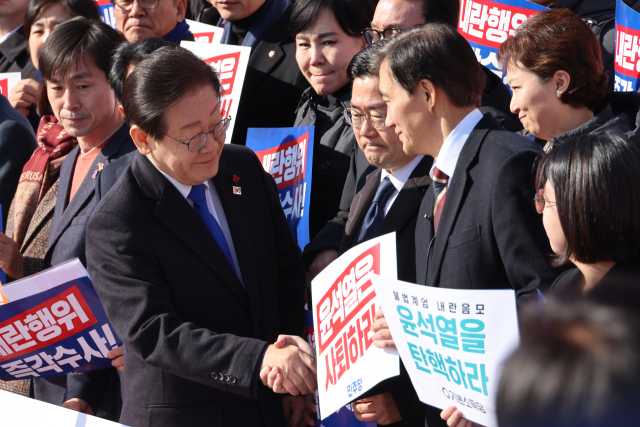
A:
x: 205, y: 33
x: 231, y: 63
x: 105, y: 8
x: 627, y: 65
x: 344, y: 310
x: 7, y: 82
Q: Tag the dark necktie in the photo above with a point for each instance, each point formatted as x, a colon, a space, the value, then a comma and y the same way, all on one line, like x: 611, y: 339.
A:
x: 440, y: 180
x: 375, y: 214
x: 197, y: 195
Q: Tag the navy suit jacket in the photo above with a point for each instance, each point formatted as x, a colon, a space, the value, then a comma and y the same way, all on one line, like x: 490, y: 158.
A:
x: 67, y: 241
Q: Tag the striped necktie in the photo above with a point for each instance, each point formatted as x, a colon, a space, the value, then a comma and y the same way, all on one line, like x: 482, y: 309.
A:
x: 440, y: 180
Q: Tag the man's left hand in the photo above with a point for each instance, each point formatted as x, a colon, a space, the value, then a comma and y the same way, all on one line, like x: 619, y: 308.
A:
x: 117, y: 358
x: 453, y: 417
x: 78, y: 405
x: 299, y: 410
x: 380, y: 408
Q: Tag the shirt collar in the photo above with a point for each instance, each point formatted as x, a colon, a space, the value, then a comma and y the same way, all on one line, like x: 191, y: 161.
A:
x: 401, y: 175
x: 2, y: 39
x: 182, y: 188
x: 450, y: 150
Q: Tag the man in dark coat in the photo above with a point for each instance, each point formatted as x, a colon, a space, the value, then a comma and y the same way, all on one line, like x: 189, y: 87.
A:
x: 194, y: 261
x: 74, y: 63
x: 166, y: 20
x: 477, y: 227
x: 14, y: 43
x: 273, y: 84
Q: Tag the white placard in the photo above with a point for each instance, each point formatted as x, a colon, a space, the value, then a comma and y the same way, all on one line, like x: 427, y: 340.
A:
x: 20, y: 411
x: 452, y: 342
x: 345, y: 304
x: 205, y: 33
x: 8, y: 81
x: 231, y: 63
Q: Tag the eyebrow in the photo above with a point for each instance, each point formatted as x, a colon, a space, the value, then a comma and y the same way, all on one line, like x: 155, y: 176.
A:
x: 328, y: 34
x: 79, y: 76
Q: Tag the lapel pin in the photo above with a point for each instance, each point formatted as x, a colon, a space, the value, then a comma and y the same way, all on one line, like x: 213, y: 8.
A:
x: 272, y: 54
x: 236, y: 188
x: 95, y: 172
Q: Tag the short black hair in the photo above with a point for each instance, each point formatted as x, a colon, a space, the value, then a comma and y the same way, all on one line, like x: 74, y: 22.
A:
x: 366, y: 63
x: 353, y: 16
x: 596, y: 180
x: 161, y: 80
x: 439, y: 53
x: 441, y: 11
x: 84, y: 8
x: 127, y: 55
x: 70, y: 42
x: 578, y: 365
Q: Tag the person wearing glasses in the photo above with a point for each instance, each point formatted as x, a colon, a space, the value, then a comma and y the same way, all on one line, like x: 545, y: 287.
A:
x: 589, y: 198
x: 195, y: 264
x: 141, y: 19
x: 394, y: 16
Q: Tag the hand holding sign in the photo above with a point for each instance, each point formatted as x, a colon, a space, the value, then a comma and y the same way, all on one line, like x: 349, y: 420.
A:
x: 11, y: 260
x: 382, y: 334
x: 453, y: 416
x: 24, y: 96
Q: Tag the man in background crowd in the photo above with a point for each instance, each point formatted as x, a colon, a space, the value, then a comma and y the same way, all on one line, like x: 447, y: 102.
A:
x: 273, y: 84
x: 14, y: 53
x: 142, y: 19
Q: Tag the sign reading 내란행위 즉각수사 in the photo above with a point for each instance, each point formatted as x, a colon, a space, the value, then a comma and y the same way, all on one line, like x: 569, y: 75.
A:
x: 487, y: 24
x: 231, y: 64
x: 627, y: 65
x: 452, y: 342
x: 344, y: 308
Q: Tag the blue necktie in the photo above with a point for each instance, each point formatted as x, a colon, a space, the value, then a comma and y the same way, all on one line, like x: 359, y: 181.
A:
x: 375, y: 214
x: 197, y: 195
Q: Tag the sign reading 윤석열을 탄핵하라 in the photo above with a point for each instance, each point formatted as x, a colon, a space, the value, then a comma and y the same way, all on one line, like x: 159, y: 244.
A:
x: 344, y: 309
x: 487, y: 24
x: 452, y: 342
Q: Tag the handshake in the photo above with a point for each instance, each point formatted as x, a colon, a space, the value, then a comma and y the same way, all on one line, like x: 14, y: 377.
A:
x: 289, y: 366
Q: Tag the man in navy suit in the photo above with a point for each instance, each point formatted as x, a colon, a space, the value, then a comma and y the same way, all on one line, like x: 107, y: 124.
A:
x: 74, y: 63
x: 195, y: 262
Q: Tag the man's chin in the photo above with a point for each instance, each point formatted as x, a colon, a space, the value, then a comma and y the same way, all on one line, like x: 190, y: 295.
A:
x: 137, y: 35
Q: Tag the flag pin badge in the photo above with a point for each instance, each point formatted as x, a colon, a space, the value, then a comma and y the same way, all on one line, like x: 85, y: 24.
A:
x: 236, y: 188
x: 95, y: 172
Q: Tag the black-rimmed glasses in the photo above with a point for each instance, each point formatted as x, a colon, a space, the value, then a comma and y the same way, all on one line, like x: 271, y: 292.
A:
x: 356, y: 119
x: 197, y: 142
x: 127, y: 5
x: 372, y: 36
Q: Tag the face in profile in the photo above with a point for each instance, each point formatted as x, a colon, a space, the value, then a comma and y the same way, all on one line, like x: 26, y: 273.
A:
x: 81, y: 98
x: 537, y: 104
x: 142, y: 19
x: 323, y: 53
x: 49, y: 18
x: 550, y: 218
x: 196, y: 112
x: 382, y: 147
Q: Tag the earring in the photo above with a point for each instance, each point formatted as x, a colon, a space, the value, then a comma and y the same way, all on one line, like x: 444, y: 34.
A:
x: 558, y: 93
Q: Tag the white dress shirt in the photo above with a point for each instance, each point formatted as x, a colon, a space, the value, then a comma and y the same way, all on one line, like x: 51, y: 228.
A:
x: 450, y: 151
x: 5, y: 37
x: 398, y: 178
x: 215, y: 208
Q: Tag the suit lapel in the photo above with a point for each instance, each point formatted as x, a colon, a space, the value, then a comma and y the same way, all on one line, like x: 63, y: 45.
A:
x: 175, y: 213
x: 236, y: 208
x: 363, y: 201
x: 455, y: 192
x: 66, y: 175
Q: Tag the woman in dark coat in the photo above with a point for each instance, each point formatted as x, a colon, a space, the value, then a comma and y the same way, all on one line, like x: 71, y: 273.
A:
x: 328, y: 35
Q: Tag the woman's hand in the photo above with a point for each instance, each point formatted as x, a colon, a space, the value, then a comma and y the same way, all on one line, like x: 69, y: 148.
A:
x: 24, y: 96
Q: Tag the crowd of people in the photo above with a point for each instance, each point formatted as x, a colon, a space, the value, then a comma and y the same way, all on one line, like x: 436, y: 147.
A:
x: 114, y: 150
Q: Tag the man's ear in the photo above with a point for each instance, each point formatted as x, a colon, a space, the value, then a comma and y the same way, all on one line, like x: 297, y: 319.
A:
x: 140, y: 138
x: 181, y: 6
x: 427, y: 91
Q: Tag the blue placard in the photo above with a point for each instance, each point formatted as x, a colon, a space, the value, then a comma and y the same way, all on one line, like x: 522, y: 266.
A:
x: 105, y: 7
x: 287, y: 154
x: 55, y: 332
x: 627, y: 65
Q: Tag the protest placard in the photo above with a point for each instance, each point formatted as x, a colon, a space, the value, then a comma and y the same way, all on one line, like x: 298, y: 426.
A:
x: 21, y: 411
x: 287, y: 154
x: 627, y: 65
x: 8, y: 81
x: 452, y: 342
x: 486, y: 24
x: 54, y: 324
x: 105, y: 7
x: 205, y: 33
x: 344, y: 309
x: 231, y: 63
x: 3, y: 276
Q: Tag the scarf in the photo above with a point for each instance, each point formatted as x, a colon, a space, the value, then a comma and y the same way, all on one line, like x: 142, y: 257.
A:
x: 271, y: 13
x: 54, y: 143
x: 179, y: 33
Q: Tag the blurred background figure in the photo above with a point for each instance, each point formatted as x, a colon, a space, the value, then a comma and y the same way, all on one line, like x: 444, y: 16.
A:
x: 328, y: 35
x: 554, y: 68
x: 14, y: 55
x: 589, y: 198
x: 41, y: 18
x: 140, y: 20
x: 578, y: 365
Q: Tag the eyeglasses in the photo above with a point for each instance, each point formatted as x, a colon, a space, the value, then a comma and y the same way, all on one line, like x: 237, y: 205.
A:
x: 372, y: 36
x: 197, y: 142
x: 356, y: 119
x: 541, y: 202
x: 127, y: 5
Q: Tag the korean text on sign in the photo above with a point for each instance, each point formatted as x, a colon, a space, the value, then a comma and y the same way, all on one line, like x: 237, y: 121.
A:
x: 627, y: 53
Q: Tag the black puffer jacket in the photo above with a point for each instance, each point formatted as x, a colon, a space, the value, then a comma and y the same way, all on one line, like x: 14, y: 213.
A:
x: 333, y: 144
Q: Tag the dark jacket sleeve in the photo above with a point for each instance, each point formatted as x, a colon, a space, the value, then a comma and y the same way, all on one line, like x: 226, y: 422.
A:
x: 16, y: 147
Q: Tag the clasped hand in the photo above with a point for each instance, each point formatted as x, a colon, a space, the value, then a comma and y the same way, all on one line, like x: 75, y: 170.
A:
x: 289, y: 366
